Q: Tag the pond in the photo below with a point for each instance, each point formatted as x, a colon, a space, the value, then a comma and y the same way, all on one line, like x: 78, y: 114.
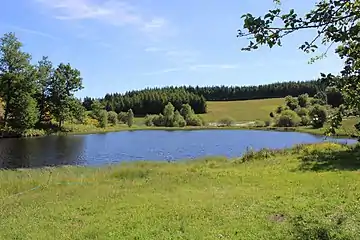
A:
x: 101, y: 149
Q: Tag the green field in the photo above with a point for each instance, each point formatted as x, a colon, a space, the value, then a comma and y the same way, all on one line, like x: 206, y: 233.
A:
x: 280, y: 195
x: 242, y: 111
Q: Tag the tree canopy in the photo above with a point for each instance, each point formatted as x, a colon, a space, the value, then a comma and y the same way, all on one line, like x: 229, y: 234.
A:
x: 336, y: 22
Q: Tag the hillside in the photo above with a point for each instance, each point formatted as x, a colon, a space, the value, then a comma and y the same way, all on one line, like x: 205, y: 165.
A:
x: 242, y: 111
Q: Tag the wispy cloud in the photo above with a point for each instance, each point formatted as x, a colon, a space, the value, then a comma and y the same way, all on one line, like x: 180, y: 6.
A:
x: 166, y: 70
x: 30, y: 31
x: 113, y: 12
x: 195, y: 68
x: 213, y: 66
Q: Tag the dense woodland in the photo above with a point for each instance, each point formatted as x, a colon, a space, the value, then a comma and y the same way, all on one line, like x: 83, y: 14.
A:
x: 31, y: 95
x: 153, y: 101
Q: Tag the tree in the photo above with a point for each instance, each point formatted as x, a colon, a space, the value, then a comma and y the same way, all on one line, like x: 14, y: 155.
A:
x: 64, y: 83
x: 179, y: 120
x: 17, y: 83
x: 112, y: 117
x: 96, y: 107
x: 291, y: 102
x: 103, y: 118
x: 130, y: 118
x: 318, y: 115
x: 288, y: 118
x: 43, y: 79
x: 303, y: 100
x: 169, y: 115
x: 335, y: 22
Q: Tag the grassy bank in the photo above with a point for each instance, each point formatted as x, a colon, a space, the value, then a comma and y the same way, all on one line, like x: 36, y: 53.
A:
x: 266, y: 195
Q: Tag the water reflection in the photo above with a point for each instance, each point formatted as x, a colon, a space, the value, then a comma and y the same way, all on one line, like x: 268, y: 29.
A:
x: 99, y: 149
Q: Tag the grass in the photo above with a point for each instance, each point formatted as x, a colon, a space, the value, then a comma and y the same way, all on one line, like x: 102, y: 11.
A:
x: 303, y: 193
x: 242, y: 111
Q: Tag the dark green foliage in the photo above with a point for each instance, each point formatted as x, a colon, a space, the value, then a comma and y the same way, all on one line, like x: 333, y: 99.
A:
x: 122, y: 117
x: 227, y: 121
x: 87, y: 103
x: 153, y: 101
x: 103, y: 118
x: 303, y: 100
x: 291, y: 102
x: 130, y: 118
x: 318, y: 115
x: 65, y: 82
x: 333, y: 21
x: 272, y: 115
x: 186, y: 111
x: 279, y: 109
x: 158, y: 120
x: 112, y: 117
x: 288, y: 118
x: 24, y: 113
x: 77, y: 111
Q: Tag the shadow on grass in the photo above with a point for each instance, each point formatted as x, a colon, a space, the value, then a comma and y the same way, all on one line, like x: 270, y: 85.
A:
x: 344, y: 158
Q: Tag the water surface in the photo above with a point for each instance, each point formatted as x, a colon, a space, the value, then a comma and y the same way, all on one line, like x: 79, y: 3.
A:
x: 108, y: 148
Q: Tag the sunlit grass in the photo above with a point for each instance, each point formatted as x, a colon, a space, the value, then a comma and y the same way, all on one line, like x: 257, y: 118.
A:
x: 260, y: 196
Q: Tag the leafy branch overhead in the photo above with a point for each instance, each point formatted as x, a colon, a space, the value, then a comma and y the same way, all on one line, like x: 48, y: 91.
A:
x: 333, y: 22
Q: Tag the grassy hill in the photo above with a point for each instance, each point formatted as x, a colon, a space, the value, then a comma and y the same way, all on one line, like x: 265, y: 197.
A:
x: 268, y: 195
x: 242, y: 111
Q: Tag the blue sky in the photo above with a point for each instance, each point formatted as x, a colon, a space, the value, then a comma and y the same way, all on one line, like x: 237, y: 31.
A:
x: 120, y: 45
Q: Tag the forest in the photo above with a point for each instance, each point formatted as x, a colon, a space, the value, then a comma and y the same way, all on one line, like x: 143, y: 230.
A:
x: 32, y: 95
x: 154, y: 100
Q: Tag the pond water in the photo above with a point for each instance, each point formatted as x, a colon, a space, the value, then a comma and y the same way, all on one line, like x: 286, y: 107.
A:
x: 101, y: 149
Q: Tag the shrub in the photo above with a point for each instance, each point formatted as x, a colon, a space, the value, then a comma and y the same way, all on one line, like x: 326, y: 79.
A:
x: 158, y: 120
x: 103, y: 118
x: 288, y: 118
x: 318, y: 115
x: 227, y: 121
x: 279, y: 109
x: 122, y: 117
x: 193, y: 120
x: 149, y: 120
x: 112, y: 118
x: 169, y: 115
x: 291, y: 102
x: 91, y: 121
x: 179, y: 120
x: 301, y: 111
x: 303, y: 100
x: 186, y: 111
x: 305, y: 120
x: 272, y: 115
x: 130, y: 118
x: 267, y: 123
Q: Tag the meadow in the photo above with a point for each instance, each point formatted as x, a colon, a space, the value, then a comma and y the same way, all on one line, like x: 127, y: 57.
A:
x: 263, y: 195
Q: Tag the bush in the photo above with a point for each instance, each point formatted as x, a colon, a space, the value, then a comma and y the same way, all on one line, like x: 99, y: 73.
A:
x: 130, y: 118
x: 91, y: 121
x: 288, y: 118
x: 169, y: 115
x: 193, y: 120
x: 186, y: 111
x: 291, y: 102
x: 272, y: 115
x: 122, y: 117
x: 227, y: 121
x: 179, y: 120
x: 302, y: 111
x: 103, y: 118
x: 279, y: 109
x: 305, y: 120
x: 303, y: 100
x: 149, y: 120
x: 158, y: 120
x: 267, y: 123
x: 318, y: 115
x: 112, y: 118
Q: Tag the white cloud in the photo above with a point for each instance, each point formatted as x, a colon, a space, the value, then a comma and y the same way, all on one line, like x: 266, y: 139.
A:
x: 113, y: 12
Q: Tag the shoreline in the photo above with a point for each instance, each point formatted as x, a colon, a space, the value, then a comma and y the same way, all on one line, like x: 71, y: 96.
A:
x: 318, y: 132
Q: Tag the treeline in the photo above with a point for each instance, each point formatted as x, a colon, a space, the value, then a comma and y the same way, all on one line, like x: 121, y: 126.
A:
x: 150, y: 101
x: 31, y: 95
x: 273, y: 90
x: 154, y: 100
